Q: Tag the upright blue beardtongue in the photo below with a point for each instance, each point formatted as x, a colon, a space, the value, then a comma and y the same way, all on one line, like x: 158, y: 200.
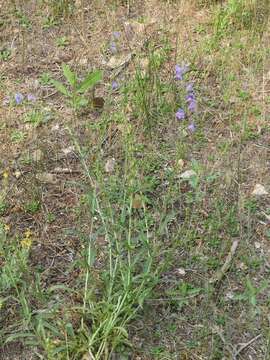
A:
x: 191, y: 98
x: 180, y: 71
x: 180, y: 114
x: 192, y: 127
x: 113, y: 47
x: 18, y: 98
x: 31, y: 97
x: 115, y: 85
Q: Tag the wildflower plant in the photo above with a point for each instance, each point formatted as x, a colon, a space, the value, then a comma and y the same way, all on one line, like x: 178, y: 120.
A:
x: 18, y: 98
x: 75, y: 92
x: 150, y: 92
x: 190, y: 105
x: 113, y: 46
x: 115, y: 85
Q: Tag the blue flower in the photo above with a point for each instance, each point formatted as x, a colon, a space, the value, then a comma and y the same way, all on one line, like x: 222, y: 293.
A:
x: 180, y: 114
x: 31, y: 97
x: 192, y: 106
x: 18, y: 98
x: 180, y: 71
x: 190, y: 97
x: 115, y: 85
x: 116, y: 34
x: 189, y: 88
x: 113, y: 47
x: 192, y: 127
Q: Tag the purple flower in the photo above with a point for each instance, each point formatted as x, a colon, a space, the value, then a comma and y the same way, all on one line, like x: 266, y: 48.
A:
x: 18, y: 98
x: 31, y: 97
x: 115, y: 85
x: 180, y: 114
x: 180, y: 71
x: 190, y: 97
x: 192, y: 127
x: 189, y: 88
x: 116, y: 34
x: 113, y: 47
x: 192, y: 107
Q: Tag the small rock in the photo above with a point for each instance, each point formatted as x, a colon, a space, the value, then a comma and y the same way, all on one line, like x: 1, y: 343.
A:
x: 17, y: 174
x: 241, y: 266
x: 229, y: 295
x: 257, y: 245
x: 180, y: 164
x: 259, y: 190
x: 181, y: 271
x: 55, y: 127
x: 28, y: 127
x: 109, y: 166
x: 188, y: 174
x: 83, y: 61
x: 46, y: 178
x: 68, y: 150
x: 118, y: 61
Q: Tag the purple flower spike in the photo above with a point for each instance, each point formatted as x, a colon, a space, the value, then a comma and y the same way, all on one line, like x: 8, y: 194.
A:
x: 180, y: 114
x: 192, y: 127
x: 192, y: 105
x: 190, y: 97
x: 113, y: 47
x: 116, y: 34
x: 31, y: 97
x: 180, y: 71
x: 18, y: 98
x: 115, y: 85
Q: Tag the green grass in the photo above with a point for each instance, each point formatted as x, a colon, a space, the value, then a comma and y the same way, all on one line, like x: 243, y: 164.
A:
x: 116, y: 259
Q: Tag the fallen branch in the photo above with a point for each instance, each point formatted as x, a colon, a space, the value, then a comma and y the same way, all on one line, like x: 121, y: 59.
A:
x: 245, y: 345
x: 59, y: 170
x: 216, y: 278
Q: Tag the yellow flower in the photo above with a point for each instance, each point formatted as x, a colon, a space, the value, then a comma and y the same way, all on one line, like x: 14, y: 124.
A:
x: 5, y: 174
x: 28, y: 233
x: 6, y: 227
x: 26, y: 243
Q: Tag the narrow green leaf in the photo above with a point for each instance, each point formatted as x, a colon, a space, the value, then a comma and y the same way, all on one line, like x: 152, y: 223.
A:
x: 49, y: 326
x: 18, y: 335
x: 90, y: 80
x: 69, y: 75
x: 59, y: 287
x: 56, y: 350
x: 70, y: 330
x: 121, y: 330
x: 60, y: 87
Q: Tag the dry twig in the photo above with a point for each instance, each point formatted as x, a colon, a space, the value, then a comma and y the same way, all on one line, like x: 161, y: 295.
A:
x: 217, y: 277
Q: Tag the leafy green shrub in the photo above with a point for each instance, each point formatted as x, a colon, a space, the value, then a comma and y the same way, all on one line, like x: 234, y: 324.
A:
x: 75, y: 92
